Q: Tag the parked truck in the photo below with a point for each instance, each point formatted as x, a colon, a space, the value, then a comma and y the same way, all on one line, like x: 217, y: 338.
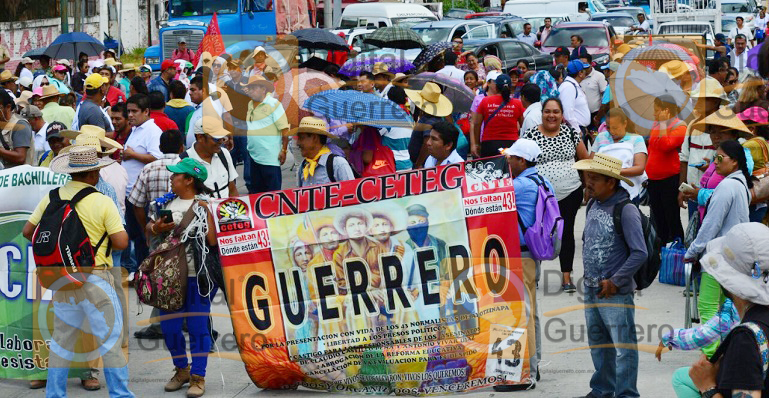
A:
x: 239, y: 20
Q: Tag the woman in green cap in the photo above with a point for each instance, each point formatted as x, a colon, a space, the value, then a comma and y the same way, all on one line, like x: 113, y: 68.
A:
x: 189, y: 194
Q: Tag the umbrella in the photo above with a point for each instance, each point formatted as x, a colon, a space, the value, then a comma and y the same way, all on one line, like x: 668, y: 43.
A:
x: 753, y: 56
x: 35, y: 53
x: 294, y: 87
x: 460, y: 95
x: 636, y: 90
x: 70, y: 45
x: 354, y: 67
x: 315, y: 38
x: 394, y: 37
x: 356, y: 107
x: 432, y: 51
x: 316, y: 63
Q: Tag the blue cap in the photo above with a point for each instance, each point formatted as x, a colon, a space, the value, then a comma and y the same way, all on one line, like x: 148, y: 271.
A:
x: 503, y: 80
x: 576, y: 65
x: 720, y: 37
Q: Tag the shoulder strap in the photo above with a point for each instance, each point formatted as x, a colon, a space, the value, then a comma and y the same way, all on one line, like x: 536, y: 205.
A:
x: 617, y: 217
x: 763, y: 348
x: 330, y: 167
x: 223, y: 159
x: 81, y: 194
x: 576, y: 89
x: 186, y: 220
x: 499, y: 108
x: 54, y: 196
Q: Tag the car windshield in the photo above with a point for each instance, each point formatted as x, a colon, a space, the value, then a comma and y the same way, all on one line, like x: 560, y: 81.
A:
x: 731, y: 8
x: 409, y: 22
x: 617, y: 22
x: 595, y: 37
x: 638, y: 3
x: 536, y: 22
x: 432, y: 35
x: 678, y: 29
x: 192, y: 8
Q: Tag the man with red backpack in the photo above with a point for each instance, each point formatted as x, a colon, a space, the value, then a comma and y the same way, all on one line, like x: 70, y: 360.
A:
x: 182, y: 52
x: 73, y: 231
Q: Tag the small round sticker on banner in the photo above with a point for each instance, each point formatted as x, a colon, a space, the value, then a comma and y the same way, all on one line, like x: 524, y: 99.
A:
x: 112, y: 337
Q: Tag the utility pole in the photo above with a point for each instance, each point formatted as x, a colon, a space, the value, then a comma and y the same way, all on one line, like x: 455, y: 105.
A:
x: 328, y: 16
x: 64, y: 16
x: 119, y: 29
x: 76, y: 13
x: 149, y: 23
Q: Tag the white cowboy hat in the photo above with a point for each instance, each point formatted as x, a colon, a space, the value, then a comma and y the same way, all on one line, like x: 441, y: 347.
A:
x: 604, y: 164
x: 79, y: 159
x: 739, y: 261
x: 312, y: 125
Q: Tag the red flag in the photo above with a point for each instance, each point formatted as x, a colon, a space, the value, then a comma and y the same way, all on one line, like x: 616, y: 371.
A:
x: 212, y: 41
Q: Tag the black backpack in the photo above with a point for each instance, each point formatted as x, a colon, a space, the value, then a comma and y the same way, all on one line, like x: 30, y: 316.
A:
x: 648, y: 271
x: 223, y: 159
x: 61, y: 246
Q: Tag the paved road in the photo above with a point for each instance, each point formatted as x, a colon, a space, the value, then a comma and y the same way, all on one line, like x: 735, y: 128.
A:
x: 565, y: 368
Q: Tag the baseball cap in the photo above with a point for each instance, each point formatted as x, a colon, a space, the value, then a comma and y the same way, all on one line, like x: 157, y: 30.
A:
x: 95, y: 80
x: 24, y: 81
x: 182, y: 40
x: 27, y: 60
x: 492, y: 75
x: 190, y: 167
x: 54, y: 130
x: 720, y: 37
x: 613, y: 66
x: 561, y: 51
x: 524, y: 148
x: 60, y: 68
x: 167, y: 64
x: 145, y: 68
x: 503, y: 81
x: 576, y: 66
x: 31, y: 112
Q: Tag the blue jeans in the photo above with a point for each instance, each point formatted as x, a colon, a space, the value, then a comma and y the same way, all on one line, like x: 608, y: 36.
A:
x: 616, y: 369
x: 200, y: 338
x: 691, y: 207
x: 263, y: 178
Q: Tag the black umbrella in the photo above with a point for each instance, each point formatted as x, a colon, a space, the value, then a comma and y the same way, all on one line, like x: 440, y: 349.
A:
x: 314, y: 38
x: 394, y: 37
x: 70, y: 45
x: 316, y: 63
x: 35, y: 53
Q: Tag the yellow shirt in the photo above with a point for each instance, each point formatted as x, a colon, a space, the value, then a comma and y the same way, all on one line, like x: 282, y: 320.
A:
x: 755, y: 146
x: 97, y: 212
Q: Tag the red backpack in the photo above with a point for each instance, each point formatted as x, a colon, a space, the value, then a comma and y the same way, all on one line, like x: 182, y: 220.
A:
x: 61, y: 246
x: 383, y: 161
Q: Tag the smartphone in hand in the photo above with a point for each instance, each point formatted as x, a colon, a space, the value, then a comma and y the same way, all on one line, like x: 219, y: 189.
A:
x: 166, y: 216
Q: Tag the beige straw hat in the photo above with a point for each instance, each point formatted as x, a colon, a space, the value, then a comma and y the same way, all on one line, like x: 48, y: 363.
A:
x: 726, y: 118
x: 710, y: 88
x: 94, y: 131
x: 50, y: 91
x: 430, y: 100
x: 380, y: 68
x: 79, y: 159
x: 603, y: 164
x: 312, y: 125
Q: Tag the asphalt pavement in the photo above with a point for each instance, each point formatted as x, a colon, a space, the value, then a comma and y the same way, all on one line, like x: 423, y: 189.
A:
x: 566, y: 366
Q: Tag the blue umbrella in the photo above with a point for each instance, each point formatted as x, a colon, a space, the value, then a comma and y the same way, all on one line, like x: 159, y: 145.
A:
x: 70, y: 45
x: 35, y: 53
x: 356, y: 107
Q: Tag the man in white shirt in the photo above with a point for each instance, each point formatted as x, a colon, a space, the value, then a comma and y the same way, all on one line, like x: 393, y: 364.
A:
x: 205, y: 104
x: 35, y: 118
x: 526, y: 36
x: 575, y: 108
x: 450, y: 69
x: 442, y: 145
x: 530, y: 97
x: 643, y: 25
x: 593, y: 85
x: 738, y: 57
x: 208, y: 150
x: 741, y: 29
x: 760, y: 22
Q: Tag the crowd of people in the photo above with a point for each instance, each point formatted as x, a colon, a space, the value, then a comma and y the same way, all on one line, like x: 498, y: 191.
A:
x: 163, y: 145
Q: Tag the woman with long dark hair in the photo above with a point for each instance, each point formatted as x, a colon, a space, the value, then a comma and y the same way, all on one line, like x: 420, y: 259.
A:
x: 138, y: 86
x: 561, y: 144
x: 501, y: 116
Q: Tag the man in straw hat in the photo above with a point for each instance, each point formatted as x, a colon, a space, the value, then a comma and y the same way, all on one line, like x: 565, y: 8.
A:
x: 101, y: 220
x: 8, y: 82
x: 52, y: 111
x: 268, y: 130
x: 435, y: 107
x: 17, y: 140
x: 382, y: 78
x: 319, y: 166
x: 209, y: 136
x: 697, y: 150
x: 739, y: 263
x: 611, y: 258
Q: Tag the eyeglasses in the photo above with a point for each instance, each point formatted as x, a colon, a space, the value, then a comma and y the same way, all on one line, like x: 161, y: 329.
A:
x: 720, y: 158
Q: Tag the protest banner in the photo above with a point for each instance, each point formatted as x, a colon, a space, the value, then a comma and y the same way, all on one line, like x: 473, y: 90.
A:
x: 408, y: 283
x: 23, y: 349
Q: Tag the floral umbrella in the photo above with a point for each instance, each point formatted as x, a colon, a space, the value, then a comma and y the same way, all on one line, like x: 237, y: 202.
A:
x: 354, y: 67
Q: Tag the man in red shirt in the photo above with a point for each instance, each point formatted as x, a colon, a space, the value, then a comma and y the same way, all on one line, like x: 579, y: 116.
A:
x: 114, y: 95
x: 157, y: 112
x: 501, y: 116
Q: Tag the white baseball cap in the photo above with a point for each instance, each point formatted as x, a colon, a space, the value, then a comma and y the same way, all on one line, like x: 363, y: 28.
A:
x: 492, y: 75
x: 524, y: 148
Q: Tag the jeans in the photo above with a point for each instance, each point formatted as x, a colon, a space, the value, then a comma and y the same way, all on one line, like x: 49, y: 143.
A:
x: 616, y: 369
x: 683, y: 385
x: 200, y: 338
x: 709, y: 301
x: 569, y: 207
x: 757, y: 214
x: 136, y: 234
x: 264, y: 178
x: 97, y: 300
x: 691, y: 207
x: 663, y: 201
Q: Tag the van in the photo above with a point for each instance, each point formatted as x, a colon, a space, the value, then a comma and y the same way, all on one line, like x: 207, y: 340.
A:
x: 524, y: 8
x: 380, y: 15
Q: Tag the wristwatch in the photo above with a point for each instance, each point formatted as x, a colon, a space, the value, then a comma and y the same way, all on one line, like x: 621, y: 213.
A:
x: 710, y: 393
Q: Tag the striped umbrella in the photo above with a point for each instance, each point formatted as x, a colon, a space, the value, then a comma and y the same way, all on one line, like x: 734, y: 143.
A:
x: 460, y: 95
x: 432, y: 51
x: 293, y: 89
x: 361, y: 108
x: 394, y: 37
x: 354, y: 67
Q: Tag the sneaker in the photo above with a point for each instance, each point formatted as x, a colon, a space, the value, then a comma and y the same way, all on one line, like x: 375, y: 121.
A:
x: 37, y: 384
x: 90, y: 384
x: 197, y: 387
x: 181, y: 377
x: 569, y: 288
